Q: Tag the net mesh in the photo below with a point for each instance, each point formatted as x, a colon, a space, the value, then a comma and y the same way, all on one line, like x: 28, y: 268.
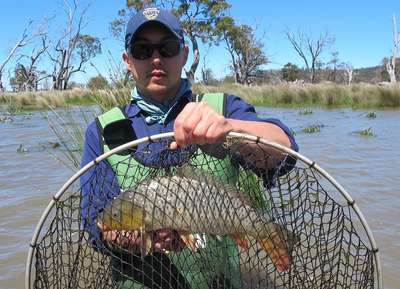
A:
x: 232, y: 216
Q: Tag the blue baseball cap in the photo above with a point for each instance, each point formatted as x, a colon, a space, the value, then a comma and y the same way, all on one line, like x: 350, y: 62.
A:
x: 152, y: 15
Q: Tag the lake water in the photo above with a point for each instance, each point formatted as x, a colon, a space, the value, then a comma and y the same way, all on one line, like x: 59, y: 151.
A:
x: 367, y: 167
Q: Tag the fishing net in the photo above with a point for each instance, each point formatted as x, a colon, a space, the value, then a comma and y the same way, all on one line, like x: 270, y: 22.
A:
x: 242, y: 214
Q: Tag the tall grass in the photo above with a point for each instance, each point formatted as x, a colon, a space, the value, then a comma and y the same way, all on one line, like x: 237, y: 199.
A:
x: 284, y: 95
x: 310, y: 95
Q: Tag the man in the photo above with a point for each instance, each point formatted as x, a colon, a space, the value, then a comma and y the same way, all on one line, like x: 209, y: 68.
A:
x: 155, y: 54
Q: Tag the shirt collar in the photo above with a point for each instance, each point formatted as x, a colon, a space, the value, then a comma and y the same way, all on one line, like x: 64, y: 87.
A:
x: 133, y: 110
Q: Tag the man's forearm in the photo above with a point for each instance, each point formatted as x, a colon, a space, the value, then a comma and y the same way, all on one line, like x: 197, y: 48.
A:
x: 256, y: 153
x: 266, y: 130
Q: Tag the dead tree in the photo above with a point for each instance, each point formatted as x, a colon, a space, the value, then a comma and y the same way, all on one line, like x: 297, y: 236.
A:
x: 391, y: 64
x: 73, y: 49
x: 27, y: 76
x: 25, y: 39
x: 349, y: 72
x: 309, y: 49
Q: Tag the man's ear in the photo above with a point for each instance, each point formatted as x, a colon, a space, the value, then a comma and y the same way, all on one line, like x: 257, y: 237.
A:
x: 125, y: 58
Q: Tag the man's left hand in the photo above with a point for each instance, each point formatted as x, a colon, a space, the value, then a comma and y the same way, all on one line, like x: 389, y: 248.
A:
x: 198, y: 123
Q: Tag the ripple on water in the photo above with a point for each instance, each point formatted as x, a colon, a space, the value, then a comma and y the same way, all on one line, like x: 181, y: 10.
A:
x: 366, y: 167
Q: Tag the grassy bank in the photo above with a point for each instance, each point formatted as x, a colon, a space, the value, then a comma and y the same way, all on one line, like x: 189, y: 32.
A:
x: 317, y: 95
x: 321, y: 95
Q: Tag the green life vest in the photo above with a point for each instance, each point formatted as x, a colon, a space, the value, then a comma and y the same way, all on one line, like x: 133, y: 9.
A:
x: 221, y: 253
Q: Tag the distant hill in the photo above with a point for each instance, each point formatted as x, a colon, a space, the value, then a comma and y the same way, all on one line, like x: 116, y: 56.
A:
x: 369, y: 74
x: 366, y: 74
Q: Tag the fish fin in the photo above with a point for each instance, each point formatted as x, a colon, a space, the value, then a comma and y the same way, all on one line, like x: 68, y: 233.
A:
x: 236, y: 193
x: 191, y: 172
x: 186, y: 171
x: 189, y: 240
x: 241, y: 241
x: 279, y: 247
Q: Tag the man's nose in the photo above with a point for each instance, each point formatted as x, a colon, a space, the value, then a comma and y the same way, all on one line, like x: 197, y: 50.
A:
x: 156, y: 58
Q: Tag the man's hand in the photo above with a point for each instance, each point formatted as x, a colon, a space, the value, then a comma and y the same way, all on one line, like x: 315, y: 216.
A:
x: 162, y: 240
x: 198, y: 123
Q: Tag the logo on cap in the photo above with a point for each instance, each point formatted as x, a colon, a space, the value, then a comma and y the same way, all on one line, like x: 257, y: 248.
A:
x: 151, y: 13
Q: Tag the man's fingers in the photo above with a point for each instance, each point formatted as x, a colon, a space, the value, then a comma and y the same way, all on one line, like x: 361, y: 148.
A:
x: 182, y: 132
x: 218, y: 130
x: 200, y: 131
x: 167, y: 240
x: 122, y: 238
x: 173, y: 145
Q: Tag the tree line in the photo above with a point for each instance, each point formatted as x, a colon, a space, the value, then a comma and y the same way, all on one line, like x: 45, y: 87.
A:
x: 204, y: 21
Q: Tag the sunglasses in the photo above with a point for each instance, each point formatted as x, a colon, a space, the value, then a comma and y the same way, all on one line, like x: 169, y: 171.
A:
x: 143, y: 50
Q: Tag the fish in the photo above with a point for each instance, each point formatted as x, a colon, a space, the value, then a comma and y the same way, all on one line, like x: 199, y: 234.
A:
x: 196, y: 202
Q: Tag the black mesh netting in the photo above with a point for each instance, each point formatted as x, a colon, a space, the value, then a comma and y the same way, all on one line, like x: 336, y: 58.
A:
x: 233, y: 221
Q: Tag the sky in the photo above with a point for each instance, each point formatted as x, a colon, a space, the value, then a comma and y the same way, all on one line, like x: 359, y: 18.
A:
x: 362, y: 29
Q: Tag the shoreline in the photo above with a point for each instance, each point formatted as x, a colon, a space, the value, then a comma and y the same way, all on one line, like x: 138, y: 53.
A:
x: 324, y: 95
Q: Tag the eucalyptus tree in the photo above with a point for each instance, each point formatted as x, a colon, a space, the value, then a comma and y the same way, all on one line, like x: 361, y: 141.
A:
x: 244, y: 48
x: 290, y: 72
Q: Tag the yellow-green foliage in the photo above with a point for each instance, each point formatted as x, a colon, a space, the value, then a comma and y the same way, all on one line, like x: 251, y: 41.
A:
x: 324, y: 95
x: 60, y: 98
x: 366, y: 132
x: 283, y: 95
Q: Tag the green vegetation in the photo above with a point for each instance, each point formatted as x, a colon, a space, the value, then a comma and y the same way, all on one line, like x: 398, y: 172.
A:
x: 366, y: 132
x: 305, y: 112
x: 325, y: 95
x: 98, y: 82
x: 371, y: 114
x: 290, y: 72
x: 314, y: 128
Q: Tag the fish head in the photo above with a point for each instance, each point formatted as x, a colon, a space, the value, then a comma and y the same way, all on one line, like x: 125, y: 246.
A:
x: 122, y: 215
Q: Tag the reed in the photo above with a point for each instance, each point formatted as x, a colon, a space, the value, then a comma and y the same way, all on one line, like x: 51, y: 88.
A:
x: 327, y: 95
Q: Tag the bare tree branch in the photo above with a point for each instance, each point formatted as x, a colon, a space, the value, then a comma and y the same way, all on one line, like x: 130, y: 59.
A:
x: 309, y: 49
x: 25, y: 39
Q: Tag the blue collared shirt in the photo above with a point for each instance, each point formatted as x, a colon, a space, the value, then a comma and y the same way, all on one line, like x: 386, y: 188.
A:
x: 102, y: 176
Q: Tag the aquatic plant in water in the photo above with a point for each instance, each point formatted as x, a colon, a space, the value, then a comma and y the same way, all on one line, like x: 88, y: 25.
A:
x: 22, y: 150
x: 366, y: 132
x: 313, y: 128
x: 305, y: 112
x: 371, y: 114
x: 4, y: 119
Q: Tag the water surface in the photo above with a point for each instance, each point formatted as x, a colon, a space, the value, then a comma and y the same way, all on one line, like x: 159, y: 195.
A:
x: 367, y: 167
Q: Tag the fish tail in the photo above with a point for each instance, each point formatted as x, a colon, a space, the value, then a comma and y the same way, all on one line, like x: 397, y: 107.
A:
x: 241, y: 241
x: 276, y: 248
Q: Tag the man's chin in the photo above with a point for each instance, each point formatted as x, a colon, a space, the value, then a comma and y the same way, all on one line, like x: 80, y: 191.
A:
x: 157, y: 90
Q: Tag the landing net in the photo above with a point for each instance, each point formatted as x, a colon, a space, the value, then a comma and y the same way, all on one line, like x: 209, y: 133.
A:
x: 243, y: 214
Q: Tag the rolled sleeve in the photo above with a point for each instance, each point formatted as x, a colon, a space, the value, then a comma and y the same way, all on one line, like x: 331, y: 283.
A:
x: 237, y: 108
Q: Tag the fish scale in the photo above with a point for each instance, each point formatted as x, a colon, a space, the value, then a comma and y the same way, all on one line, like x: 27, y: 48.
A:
x: 174, y: 201
x: 200, y: 205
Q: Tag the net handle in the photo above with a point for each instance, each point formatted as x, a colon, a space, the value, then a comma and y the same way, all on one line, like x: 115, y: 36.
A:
x: 234, y: 135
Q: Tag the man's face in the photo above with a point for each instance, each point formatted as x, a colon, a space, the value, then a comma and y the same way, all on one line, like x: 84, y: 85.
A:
x: 157, y: 77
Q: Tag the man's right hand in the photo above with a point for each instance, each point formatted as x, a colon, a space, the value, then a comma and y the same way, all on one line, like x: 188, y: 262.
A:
x: 162, y: 240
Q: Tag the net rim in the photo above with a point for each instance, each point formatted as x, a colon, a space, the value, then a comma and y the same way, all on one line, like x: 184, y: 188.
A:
x: 231, y: 135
